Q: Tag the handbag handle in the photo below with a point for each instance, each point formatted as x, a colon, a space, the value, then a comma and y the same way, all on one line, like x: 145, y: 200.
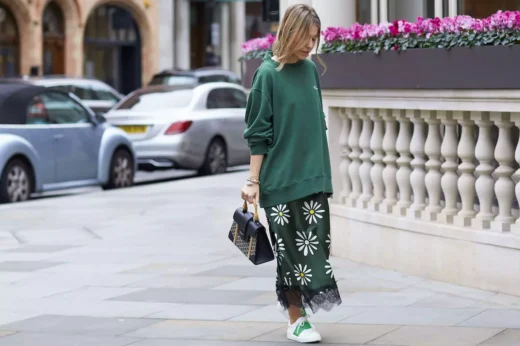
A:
x: 244, y: 209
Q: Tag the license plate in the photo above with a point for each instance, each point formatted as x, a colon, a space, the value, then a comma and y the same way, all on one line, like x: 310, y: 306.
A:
x: 133, y: 128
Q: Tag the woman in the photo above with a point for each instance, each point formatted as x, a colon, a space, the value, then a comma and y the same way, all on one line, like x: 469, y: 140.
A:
x: 290, y: 169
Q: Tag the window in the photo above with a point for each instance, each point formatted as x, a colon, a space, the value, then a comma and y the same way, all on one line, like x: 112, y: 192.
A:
x: 104, y: 94
x: 36, y: 112
x: 82, y: 92
x: 151, y: 101
x: 213, y: 78
x: 226, y: 98
x: 485, y: 8
x: 410, y: 9
x: 173, y: 80
x: 58, y: 108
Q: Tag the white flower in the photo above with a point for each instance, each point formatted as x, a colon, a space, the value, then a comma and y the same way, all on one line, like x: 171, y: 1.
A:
x: 329, y: 269
x: 329, y: 241
x: 282, y: 214
x: 312, y: 211
x: 287, y: 279
x: 303, y: 275
x: 279, y: 246
x: 306, y: 243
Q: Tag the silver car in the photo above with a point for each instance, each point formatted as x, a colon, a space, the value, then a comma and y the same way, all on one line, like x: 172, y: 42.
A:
x: 194, y: 127
x: 95, y: 94
x: 50, y: 141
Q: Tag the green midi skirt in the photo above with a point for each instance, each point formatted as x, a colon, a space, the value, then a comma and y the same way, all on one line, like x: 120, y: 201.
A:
x: 302, y: 249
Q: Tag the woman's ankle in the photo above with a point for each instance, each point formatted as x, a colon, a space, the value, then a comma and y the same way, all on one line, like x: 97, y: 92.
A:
x: 295, y: 313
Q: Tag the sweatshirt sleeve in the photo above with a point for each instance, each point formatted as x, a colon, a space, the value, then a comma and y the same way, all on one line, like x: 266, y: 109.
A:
x: 259, y: 130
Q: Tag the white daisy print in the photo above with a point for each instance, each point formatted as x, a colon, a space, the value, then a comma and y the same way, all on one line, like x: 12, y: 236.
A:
x: 279, y: 246
x: 306, y: 243
x: 312, y: 211
x: 287, y: 279
x: 303, y: 275
x: 329, y: 241
x: 328, y: 267
x: 281, y: 214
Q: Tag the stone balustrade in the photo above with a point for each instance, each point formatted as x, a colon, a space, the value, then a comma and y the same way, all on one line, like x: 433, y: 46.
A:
x: 435, y: 163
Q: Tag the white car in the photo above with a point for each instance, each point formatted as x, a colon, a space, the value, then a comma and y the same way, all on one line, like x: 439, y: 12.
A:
x: 194, y: 127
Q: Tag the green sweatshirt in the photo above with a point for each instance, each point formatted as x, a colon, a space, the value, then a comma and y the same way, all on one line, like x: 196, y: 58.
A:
x: 286, y: 123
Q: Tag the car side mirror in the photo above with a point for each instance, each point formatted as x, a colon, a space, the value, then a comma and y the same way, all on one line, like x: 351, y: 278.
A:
x: 100, y: 117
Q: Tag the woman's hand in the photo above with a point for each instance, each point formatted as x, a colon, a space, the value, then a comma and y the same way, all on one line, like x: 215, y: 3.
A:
x: 251, y: 193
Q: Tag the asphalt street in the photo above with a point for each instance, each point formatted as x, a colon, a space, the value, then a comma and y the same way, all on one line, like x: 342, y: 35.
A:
x: 151, y: 265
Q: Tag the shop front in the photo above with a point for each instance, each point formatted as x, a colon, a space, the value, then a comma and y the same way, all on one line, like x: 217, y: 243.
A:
x: 112, y: 48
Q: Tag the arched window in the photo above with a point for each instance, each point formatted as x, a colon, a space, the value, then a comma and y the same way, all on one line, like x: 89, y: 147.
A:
x: 9, y: 44
x: 53, y: 22
x: 53, y: 27
x: 113, y: 48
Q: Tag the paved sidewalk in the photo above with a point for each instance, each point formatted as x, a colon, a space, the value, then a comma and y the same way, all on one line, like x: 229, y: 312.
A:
x: 151, y: 266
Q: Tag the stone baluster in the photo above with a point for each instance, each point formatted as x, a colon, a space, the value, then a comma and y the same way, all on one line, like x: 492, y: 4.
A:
x: 344, y: 152
x: 449, y: 167
x: 484, y: 185
x: 432, y: 148
x: 366, y: 166
x: 353, y: 169
x: 504, y: 186
x: 418, y: 173
x: 404, y: 171
x: 516, y: 175
x: 390, y: 159
x: 466, y: 182
x: 376, y: 173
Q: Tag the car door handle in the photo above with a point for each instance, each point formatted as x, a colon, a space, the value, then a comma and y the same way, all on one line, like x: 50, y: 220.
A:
x: 58, y: 136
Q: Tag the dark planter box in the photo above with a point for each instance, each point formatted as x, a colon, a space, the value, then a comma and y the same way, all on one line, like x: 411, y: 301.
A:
x: 248, y: 70
x: 490, y: 67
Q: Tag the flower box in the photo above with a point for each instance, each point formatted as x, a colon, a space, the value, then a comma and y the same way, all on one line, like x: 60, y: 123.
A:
x: 248, y: 71
x: 434, y: 53
x: 490, y: 67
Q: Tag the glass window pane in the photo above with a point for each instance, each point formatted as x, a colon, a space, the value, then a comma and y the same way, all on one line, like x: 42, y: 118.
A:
x: 37, y: 113
x: 485, y: 8
x: 61, y: 109
x: 53, y: 22
x: 152, y: 101
x: 364, y: 11
x: 409, y: 10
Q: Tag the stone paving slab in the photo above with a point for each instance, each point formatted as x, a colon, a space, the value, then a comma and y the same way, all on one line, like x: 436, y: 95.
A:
x: 437, y: 336
x: 205, y: 330
x: 52, y: 339
x: 506, y: 338
x: 79, y: 325
x: 26, y: 266
x: 189, y: 296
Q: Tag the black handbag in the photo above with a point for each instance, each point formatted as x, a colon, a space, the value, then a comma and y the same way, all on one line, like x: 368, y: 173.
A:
x: 250, y: 236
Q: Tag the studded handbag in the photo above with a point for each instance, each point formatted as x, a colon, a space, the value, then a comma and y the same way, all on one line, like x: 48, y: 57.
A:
x: 250, y: 236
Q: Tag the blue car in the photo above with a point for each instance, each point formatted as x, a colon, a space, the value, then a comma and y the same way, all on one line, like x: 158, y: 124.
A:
x: 50, y: 141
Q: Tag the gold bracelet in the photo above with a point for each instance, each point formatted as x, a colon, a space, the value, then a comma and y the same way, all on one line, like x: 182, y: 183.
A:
x: 254, y: 181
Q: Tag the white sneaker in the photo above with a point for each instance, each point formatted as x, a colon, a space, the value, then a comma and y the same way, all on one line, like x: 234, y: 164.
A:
x: 303, y: 331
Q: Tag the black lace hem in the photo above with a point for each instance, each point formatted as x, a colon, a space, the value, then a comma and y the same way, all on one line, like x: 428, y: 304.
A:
x: 326, y: 298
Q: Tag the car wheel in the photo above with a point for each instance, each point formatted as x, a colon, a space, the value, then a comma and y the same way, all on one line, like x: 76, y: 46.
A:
x: 121, y: 172
x: 16, y: 183
x: 215, y: 161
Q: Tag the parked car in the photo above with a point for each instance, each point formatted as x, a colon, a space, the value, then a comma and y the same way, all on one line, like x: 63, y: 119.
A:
x: 195, y: 127
x: 50, y: 141
x: 198, y: 76
x: 96, y: 95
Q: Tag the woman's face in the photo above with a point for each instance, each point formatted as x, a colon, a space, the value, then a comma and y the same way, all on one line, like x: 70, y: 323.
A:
x: 307, y: 44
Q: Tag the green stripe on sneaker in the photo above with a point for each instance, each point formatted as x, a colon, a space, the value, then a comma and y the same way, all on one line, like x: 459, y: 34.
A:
x: 302, y: 327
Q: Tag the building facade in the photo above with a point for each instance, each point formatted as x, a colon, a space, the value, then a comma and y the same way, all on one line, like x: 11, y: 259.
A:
x: 201, y: 33
x: 348, y: 12
x: 113, y: 40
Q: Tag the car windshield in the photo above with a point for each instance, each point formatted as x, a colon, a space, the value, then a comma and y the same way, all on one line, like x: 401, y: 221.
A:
x: 173, y: 80
x: 156, y: 100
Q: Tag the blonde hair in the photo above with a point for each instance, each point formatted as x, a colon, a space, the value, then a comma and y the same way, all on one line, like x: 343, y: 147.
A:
x: 296, y: 24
